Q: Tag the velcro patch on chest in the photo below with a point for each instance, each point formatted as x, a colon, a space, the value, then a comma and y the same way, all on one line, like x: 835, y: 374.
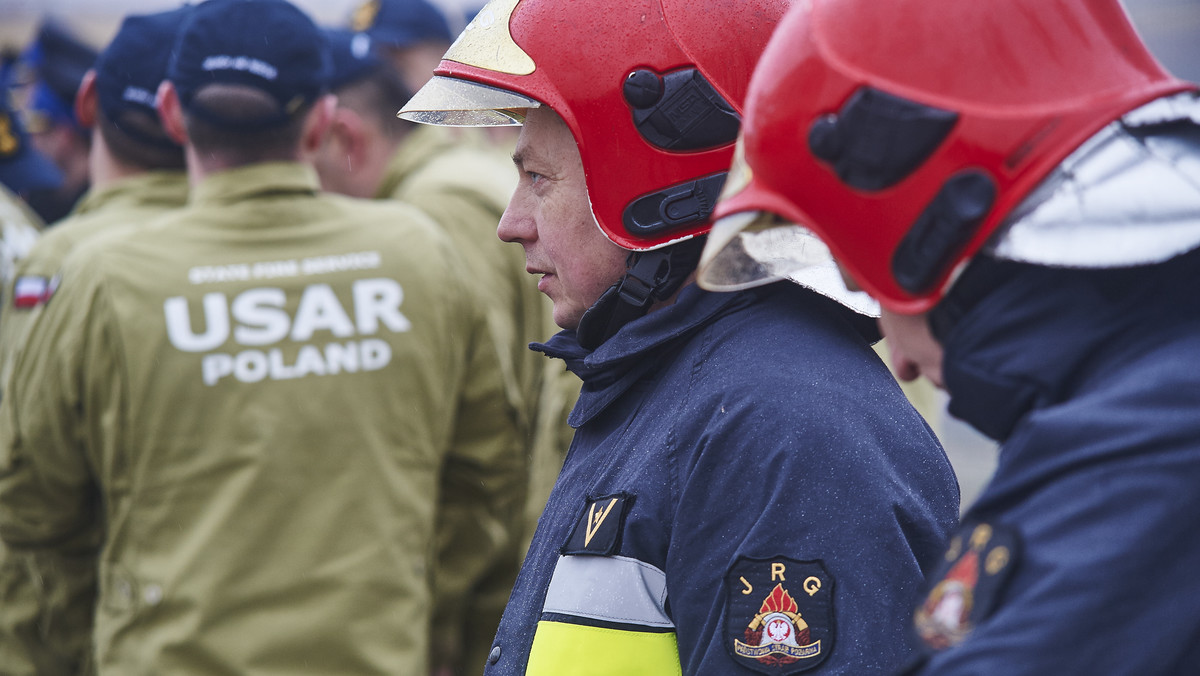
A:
x: 598, y: 531
x: 967, y: 584
x: 779, y: 614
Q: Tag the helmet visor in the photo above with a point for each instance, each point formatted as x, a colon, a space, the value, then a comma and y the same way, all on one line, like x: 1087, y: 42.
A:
x: 750, y: 249
x: 451, y: 102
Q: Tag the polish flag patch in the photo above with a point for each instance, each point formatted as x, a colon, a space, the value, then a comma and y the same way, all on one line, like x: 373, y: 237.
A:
x: 32, y: 291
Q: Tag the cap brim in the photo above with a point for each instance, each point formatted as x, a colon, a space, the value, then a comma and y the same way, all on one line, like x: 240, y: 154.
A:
x: 451, y: 102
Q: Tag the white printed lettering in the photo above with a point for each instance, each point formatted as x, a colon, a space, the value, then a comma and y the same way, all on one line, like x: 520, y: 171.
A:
x: 275, y: 269
x: 179, y: 324
x: 375, y: 354
x: 279, y: 370
x: 377, y: 300
x: 320, y: 311
x: 260, y: 316
x: 207, y: 274
x: 250, y: 366
x: 215, y: 367
x: 310, y: 360
x: 341, y: 358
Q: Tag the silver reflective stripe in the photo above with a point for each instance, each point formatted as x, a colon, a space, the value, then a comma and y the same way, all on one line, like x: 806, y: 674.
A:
x: 609, y: 588
x: 1121, y: 199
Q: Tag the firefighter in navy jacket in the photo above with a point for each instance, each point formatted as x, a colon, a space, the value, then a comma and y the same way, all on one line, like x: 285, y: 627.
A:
x: 748, y: 491
x: 1024, y: 207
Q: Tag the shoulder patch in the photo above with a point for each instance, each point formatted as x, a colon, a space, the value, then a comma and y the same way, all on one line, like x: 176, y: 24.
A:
x: 598, y: 531
x: 965, y: 587
x: 779, y: 614
x: 32, y: 291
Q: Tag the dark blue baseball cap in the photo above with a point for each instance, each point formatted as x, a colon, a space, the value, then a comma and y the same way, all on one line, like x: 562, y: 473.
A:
x: 351, y: 56
x: 400, y: 23
x: 132, y: 66
x: 58, y: 61
x: 269, y: 45
x: 22, y: 169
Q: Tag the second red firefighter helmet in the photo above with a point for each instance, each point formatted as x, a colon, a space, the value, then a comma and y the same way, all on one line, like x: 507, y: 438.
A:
x: 903, y: 133
x: 652, y: 91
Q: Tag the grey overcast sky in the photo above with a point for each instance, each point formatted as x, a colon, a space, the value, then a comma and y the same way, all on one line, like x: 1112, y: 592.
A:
x: 1170, y: 27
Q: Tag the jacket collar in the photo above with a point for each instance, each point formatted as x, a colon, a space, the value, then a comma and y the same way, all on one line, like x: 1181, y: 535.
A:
x: 638, y: 347
x: 416, y: 149
x: 168, y: 188
x: 1043, y: 336
x: 238, y: 184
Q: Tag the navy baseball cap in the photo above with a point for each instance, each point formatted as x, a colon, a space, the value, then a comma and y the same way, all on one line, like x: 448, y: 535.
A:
x: 270, y: 45
x: 400, y: 23
x: 22, y: 168
x: 132, y: 66
x: 351, y: 56
x: 58, y: 61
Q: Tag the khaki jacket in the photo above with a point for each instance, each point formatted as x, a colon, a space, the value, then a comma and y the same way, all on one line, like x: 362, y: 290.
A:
x: 242, y: 415
x: 129, y: 202
x: 20, y: 228
x: 464, y: 183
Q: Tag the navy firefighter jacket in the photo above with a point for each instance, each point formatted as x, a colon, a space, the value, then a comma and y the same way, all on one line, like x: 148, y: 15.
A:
x: 748, y: 491
x: 1082, y: 555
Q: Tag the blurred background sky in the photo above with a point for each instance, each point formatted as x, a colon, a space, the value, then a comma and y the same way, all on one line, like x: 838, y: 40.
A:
x: 1170, y: 27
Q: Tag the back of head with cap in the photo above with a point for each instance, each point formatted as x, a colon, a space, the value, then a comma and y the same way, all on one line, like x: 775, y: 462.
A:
x: 58, y: 61
x: 412, y: 34
x: 128, y: 74
x: 364, y: 83
x: 22, y: 168
x: 246, y: 72
x: 401, y: 23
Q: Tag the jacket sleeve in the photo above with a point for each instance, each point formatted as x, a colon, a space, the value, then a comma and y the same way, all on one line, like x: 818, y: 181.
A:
x: 1101, y: 579
x: 824, y: 505
x: 481, y: 510
x: 58, y: 399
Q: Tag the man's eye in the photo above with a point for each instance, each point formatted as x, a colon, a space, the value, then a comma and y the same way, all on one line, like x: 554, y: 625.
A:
x: 534, y: 177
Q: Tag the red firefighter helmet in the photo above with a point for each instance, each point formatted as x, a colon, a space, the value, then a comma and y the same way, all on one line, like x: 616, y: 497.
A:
x: 652, y: 91
x: 903, y: 133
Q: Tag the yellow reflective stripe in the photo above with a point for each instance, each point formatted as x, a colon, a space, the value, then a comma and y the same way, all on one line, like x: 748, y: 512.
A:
x: 580, y: 650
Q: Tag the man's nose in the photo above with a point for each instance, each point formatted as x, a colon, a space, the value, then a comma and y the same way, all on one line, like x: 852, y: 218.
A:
x: 515, y: 224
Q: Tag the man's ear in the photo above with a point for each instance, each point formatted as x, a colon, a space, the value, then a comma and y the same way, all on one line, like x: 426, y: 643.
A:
x: 170, y: 111
x: 348, y: 130
x: 316, y: 124
x: 86, y: 100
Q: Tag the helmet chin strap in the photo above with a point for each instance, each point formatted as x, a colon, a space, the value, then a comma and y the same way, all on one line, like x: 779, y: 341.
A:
x: 650, y: 276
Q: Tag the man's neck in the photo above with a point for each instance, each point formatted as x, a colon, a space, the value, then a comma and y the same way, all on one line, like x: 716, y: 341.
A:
x: 105, y: 170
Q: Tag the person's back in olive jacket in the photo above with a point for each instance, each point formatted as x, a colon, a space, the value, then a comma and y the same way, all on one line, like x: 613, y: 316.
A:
x: 463, y: 182
x: 137, y: 173
x: 242, y: 412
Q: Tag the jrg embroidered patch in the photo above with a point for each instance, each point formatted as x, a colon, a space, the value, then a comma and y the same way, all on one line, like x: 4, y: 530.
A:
x: 779, y: 614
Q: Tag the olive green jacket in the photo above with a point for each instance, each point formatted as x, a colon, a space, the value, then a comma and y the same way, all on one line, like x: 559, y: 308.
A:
x: 241, y: 415
x: 464, y: 183
x: 128, y: 202
x: 20, y: 228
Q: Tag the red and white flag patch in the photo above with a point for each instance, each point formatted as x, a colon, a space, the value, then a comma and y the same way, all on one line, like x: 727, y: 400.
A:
x: 32, y: 291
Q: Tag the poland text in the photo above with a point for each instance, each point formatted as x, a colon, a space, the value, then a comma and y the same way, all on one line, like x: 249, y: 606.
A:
x: 319, y: 338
